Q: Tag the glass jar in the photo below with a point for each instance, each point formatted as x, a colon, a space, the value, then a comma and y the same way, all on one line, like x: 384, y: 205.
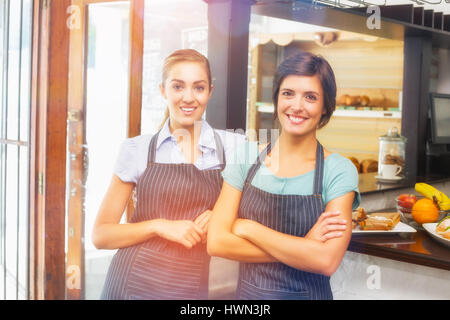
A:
x: 392, y: 155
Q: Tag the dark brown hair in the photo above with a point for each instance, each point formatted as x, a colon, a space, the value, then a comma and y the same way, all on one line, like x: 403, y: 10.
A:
x: 308, y: 64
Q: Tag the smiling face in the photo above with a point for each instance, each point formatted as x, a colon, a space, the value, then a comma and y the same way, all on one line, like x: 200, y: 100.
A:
x: 187, y: 90
x: 300, y: 104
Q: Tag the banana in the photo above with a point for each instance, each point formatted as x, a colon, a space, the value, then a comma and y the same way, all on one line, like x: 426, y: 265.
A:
x: 431, y: 192
x: 445, y: 206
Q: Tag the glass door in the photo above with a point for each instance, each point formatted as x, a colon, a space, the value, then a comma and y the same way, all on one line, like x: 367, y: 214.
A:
x: 97, y: 124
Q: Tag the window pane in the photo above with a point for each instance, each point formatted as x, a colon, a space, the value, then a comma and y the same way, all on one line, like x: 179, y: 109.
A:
x: 13, y: 70
x: 186, y: 31
x: 23, y: 220
x: 12, y: 163
x: 106, y: 121
x: 25, y: 70
x: 2, y: 219
x: 2, y: 56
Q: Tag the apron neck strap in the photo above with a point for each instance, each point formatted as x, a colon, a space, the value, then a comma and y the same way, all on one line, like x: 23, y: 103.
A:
x: 152, y: 148
x: 318, y: 172
x: 219, y: 149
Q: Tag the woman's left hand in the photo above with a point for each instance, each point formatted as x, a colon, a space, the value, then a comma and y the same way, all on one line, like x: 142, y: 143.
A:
x: 203, y: 221
x: 327, y: 227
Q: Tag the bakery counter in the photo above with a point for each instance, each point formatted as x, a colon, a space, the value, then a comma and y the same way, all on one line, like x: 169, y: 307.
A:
x: 368, y: 184
x: 418, y: 248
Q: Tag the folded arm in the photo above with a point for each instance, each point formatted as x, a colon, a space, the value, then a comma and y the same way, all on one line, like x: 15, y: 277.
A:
x: 221, y: 240
x: 303, y: 253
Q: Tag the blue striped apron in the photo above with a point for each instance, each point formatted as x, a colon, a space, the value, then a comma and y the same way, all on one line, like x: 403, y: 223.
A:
x: 290, y: 214
x: 159, y: 268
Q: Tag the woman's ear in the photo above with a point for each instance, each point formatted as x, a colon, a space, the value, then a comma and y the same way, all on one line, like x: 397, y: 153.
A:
x: 162, y: 90
x: 211, y: 88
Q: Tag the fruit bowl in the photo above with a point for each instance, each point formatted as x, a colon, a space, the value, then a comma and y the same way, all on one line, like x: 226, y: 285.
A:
x: 405, y: 208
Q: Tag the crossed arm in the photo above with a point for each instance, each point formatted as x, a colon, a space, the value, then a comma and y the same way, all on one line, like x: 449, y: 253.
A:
x: 249, y: 241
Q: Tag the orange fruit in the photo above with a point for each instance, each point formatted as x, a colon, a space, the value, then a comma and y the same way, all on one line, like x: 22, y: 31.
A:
x: 425, y: 211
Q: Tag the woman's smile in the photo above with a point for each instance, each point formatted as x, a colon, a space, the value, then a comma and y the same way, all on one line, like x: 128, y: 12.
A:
x: 296, y: 119
x: 188, y: 110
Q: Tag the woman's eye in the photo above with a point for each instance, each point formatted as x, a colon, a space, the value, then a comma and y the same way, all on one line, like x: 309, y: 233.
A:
x: 287, y: 93
x: 177, y: 87
x: 200, y: 89
x: 311, y: 97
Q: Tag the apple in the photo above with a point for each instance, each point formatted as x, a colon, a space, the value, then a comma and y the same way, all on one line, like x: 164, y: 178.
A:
x: 406, y: 200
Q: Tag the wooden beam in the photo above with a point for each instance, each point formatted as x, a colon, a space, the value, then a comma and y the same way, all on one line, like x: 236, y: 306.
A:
x: 75, y: 273
x: 50, y: 84
x: 136, y: 67
x: 135, y: 77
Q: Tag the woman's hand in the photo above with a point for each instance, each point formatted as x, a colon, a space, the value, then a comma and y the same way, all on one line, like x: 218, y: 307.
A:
x: 203, y: 221
x: 327, y: 227
x: 185, y: 232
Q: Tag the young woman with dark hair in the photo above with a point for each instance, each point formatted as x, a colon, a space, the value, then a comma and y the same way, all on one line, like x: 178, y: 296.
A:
x: 285, y: 209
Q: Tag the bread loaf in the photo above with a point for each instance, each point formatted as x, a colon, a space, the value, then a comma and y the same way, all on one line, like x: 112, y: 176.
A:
x: 365, y: 101
x: 369, y: 165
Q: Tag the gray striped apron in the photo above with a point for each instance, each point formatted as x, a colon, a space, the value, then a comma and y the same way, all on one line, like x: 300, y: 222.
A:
x: 159, y: 268
x: 289, y: 214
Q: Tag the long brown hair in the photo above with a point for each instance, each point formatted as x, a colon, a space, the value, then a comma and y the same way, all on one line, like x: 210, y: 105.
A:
x: 183, y: 55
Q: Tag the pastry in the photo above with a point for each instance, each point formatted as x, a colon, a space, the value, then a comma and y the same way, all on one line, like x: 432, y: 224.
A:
x: 380, y: 221
x: 358, y: 216
x: 365, y: 100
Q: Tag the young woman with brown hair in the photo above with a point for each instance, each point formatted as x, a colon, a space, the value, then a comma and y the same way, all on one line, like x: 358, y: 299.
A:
x: 269, y: 215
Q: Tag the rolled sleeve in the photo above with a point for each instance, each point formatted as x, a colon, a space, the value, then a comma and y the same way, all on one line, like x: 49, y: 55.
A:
x: 343, y: 178
x: 126, y: 163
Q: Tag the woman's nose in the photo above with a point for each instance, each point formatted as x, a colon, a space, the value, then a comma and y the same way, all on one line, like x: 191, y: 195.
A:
x: 188, y: 97
x: 297, y: 104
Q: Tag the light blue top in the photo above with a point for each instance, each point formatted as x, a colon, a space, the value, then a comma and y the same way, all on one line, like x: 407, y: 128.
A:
x: 340, y: 176
x: 133, y: 153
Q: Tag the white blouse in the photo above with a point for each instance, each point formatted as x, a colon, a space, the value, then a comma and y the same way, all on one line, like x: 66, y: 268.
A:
x: 133, y: 153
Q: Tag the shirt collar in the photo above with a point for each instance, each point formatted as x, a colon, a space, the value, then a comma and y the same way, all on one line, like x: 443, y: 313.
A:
x: 206, y: 135
x: 164, y: 134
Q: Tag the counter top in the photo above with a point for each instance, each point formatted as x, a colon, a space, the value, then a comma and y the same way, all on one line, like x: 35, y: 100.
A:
x: 368, y: 184
x: 418, y: 248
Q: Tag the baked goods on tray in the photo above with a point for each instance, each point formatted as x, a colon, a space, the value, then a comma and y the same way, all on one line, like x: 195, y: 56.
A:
x: 374, y: 221
x: 358, y: 216
x: 380, y: 221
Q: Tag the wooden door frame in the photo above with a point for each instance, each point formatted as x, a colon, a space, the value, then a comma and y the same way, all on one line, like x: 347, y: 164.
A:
x: 55, y: 92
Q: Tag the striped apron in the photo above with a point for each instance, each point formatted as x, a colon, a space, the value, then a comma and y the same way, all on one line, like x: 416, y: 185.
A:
x: 159, y: 268
x: 290, y: 214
